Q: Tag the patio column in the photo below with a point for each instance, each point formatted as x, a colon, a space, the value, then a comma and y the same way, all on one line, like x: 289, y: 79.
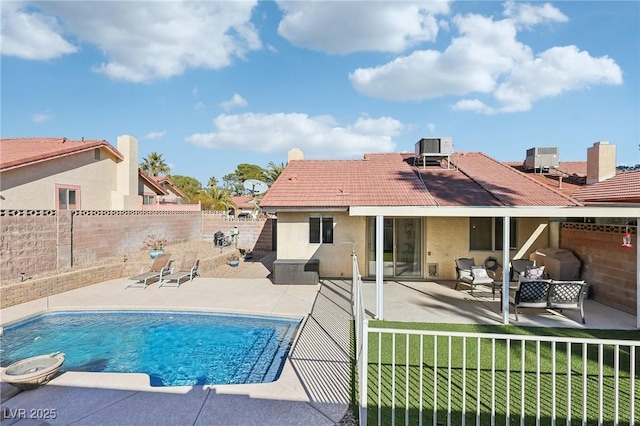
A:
x: 379, y: 266
x: 505, y: 268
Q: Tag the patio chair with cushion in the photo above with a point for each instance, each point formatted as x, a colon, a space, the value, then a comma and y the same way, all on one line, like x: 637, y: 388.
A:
x: 468, y: 273
x: 188, y: 269
x: 161, y: 266
x: 518, y: 268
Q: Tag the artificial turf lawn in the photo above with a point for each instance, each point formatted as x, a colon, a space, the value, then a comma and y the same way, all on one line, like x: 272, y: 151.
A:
x: 405, y: 377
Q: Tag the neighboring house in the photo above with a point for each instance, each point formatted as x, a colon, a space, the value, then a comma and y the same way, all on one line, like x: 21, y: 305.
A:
x: 171, y: 193
x: 426, y: 215
x: 150, y: 190
x: 592, y: 182
x: 59, y: 173
x: 244, y: 207
x: 623, y: 187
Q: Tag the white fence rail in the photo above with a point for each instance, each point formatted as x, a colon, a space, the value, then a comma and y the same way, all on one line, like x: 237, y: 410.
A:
x: 420, y: 377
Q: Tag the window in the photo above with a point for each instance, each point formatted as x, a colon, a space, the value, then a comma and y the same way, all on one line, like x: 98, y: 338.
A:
x: 485, y: 233
x: 68, y: 197
x: 321, y: 229
x: 148, y: 199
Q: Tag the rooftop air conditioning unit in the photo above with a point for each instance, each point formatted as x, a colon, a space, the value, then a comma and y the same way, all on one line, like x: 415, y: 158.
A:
x: 434, y: 147
x: 541, y: 158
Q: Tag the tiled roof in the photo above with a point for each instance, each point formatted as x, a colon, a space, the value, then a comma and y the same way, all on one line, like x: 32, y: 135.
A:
x: 506, y: 184
x: 243, y: 201
x: 152, y: 183
x: 377, y: 180
x: 164, y: 181
x: 573, y: 168
x: 20, y: 152
x: 623, y: 187
x: 391, y: 180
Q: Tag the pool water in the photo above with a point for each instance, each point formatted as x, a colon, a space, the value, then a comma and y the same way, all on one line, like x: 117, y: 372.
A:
x: 173, y: 348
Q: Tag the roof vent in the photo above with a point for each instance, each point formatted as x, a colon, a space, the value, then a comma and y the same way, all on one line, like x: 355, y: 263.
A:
x: 542, y: 159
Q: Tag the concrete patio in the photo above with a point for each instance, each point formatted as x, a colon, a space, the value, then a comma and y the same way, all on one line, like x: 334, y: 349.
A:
x: 315, y: 385
x: 430, y: 301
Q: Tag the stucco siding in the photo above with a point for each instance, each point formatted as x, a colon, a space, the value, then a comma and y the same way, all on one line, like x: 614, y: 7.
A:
x: 444, y: 240
x: 335, y: 259
x: 34, y: 187
x: 448, y: 239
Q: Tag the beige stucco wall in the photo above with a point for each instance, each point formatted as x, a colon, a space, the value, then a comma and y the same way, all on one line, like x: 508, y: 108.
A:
x: 444, y: 240
x: 448, y: 239
x: 335, y: 259
x: 34, y: 187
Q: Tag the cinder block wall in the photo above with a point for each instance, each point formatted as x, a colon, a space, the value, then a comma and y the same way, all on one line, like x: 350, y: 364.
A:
x: 609, y: 269
x: 28, y: 242
x: 36, y: 241
x: 252, y: 234
x: 100, y: 234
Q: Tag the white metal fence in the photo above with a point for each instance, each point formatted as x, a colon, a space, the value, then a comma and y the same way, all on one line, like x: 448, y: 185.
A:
x: 440, y: 377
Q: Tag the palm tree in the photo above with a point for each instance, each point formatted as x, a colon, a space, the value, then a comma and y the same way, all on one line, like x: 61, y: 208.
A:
x: 154, y: 165
x: 221, y: 198
x: 273, y: 171
x: 212, y: 182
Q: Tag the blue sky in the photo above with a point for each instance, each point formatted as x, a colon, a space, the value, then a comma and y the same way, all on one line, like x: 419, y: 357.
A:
x: 210, y: 85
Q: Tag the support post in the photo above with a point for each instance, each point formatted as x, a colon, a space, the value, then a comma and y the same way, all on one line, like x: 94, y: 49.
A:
x: 505, y: 268
x: 379, y: 266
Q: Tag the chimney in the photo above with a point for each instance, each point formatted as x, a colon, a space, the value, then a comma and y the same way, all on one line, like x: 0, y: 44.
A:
x: 126, y: 197
x: 601, y: 162
x: 295, y: 154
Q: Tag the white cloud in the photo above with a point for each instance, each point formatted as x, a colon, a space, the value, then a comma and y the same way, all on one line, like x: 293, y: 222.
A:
x: 486, y: 58
x: 235, y: 101
x: 318, y: 137
x: 345, y: 27
x: 40, y: 117
x: 528, y: 15
x: 31, y: 35
x: 155, y: 135
x: 149, y: 40
x: 431, y: 127
x: 199, y: 105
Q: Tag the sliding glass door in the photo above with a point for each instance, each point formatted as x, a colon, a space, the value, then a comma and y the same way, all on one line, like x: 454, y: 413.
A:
x: 402, y: 247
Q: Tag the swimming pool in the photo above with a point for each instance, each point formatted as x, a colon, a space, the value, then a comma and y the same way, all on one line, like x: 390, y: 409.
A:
x: 173, y: 348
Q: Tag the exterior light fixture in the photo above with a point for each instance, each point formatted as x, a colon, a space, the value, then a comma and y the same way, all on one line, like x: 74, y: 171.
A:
x: 626, y: 239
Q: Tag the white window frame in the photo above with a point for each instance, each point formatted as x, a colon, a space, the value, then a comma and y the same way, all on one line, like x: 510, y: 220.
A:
x: 67, y: 188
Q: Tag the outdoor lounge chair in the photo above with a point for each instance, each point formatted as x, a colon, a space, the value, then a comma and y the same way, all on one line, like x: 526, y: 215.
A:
x: 161, y: 266
x: 468, y: 273
x: 188, y: 269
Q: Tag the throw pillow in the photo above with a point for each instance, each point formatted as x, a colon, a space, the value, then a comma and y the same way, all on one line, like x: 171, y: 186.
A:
x: 479, y: 272
x: 534, y: 272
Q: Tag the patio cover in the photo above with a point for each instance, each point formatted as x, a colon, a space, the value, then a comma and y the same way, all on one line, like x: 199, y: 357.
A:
x: 380, y: 212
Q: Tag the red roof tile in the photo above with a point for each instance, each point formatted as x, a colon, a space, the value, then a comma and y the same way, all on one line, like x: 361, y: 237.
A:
x: 164, y: 181
x: 573, y: 168
x: 243, y: 201
x: 509, y: 186
x: 20, y: 152
x: 378, y: 180
x: 391, y: 180
x: 623, y: 187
